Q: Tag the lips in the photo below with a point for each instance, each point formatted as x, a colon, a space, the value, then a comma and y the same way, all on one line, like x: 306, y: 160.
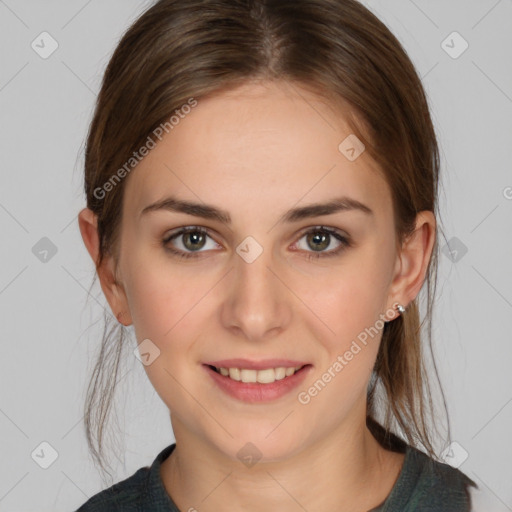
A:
x: 256, y: 365
x: 256, y: 392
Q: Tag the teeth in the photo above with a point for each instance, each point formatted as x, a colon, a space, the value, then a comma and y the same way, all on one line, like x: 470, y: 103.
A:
x: 266, y: 376
x: 234, y: 373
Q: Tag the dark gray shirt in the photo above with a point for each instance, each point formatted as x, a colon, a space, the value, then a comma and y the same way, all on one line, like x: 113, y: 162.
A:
x: 423, y: 485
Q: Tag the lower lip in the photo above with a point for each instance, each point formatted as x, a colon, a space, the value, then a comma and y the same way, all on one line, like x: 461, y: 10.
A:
x: 254, y: 392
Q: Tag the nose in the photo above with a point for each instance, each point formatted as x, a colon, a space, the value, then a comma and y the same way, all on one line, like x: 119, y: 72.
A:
x: 257, y: 303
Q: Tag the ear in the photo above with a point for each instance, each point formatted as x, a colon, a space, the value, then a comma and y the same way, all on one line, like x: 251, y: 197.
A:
x: 412, y: 261
x: 112, y: 289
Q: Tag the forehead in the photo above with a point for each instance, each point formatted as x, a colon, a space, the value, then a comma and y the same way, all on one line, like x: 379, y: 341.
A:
x: 259, y: 145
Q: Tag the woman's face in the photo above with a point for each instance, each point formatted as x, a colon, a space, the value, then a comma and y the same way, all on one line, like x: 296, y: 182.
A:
x: 258, y: 286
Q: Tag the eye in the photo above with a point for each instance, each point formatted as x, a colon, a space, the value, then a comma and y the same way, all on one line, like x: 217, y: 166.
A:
x: 320, y: 238
x: 194, y: 238
x: 191, y: 238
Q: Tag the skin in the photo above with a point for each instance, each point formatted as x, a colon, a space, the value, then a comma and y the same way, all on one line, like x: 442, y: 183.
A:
x: 258, y: 151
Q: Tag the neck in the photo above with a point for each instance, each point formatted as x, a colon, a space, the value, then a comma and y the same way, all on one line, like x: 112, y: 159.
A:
x: 346, y: 471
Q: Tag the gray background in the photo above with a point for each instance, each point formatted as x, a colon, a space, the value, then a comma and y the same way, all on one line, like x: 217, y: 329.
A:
x: 51, y: 328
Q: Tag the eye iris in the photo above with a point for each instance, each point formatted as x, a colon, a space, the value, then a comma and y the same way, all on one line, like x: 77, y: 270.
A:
x: 322, y: 239
x: 196, y: 237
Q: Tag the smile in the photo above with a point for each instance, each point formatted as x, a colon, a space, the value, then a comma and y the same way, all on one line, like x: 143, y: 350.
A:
x: 264, y: 384
x: 265, y: 376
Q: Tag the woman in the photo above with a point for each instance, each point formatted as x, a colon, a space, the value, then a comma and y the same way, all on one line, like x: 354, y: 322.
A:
x: 261, y: 182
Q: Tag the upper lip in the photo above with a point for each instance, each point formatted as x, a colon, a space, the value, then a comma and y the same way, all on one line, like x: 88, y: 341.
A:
x: 255, y: 365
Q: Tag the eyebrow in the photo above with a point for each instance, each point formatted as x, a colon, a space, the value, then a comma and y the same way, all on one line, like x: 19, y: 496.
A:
x: 206, y: 211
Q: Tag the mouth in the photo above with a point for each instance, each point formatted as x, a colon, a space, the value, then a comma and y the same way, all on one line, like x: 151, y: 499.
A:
x: 255, y: 382
x: 260, y: 376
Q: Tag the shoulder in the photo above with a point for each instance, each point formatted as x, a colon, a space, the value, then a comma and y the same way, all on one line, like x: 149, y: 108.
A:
x: 424, y: 484
x: 141, y: 491
x: 126, y: 495
x: 436, y: 486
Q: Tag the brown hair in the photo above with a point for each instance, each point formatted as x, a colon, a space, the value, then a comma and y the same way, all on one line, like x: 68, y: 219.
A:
x: 180, y: 50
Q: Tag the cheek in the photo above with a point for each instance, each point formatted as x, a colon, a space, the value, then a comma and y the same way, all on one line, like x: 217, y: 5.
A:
x: 351, y: 311
x: 166, y: 309
x: 349, y: 305
x: 162, y: 300
x: 349, y: 298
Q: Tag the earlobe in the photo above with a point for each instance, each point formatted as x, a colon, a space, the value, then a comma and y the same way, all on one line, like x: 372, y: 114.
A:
x: 113, y: 291
x: 414, y: 257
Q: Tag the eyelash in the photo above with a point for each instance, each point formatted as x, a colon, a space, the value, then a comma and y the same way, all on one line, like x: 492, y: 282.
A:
x: 345, y: 242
